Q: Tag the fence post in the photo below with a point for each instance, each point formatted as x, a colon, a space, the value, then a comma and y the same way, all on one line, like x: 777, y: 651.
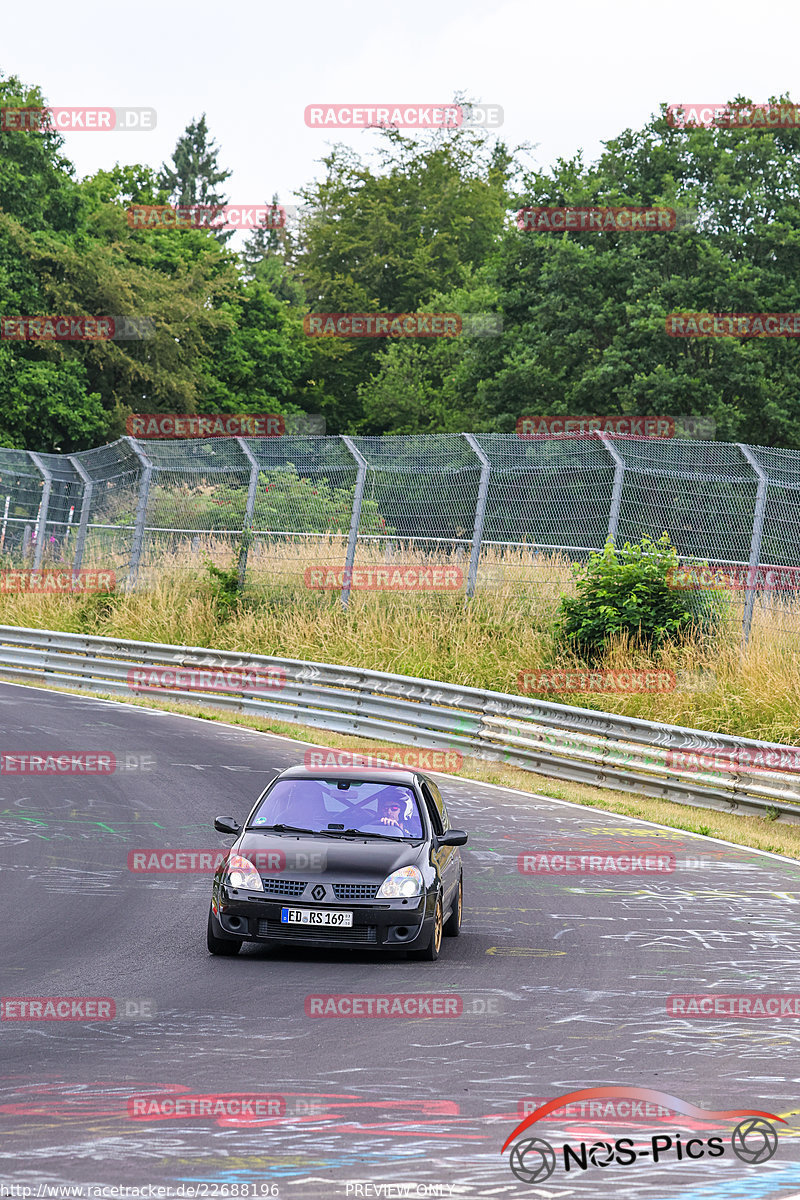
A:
x: 355, y: 520
x: 141, y: 512
x: 42, y: 521
x: 480, y: 514
x: 616, y: 492
x: 251, y: 505
x: 755, y: 541
x: 86, y: 503
x: 5, y: 522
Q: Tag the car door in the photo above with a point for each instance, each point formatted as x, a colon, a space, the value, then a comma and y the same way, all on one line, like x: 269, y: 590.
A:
x: 447, y: 858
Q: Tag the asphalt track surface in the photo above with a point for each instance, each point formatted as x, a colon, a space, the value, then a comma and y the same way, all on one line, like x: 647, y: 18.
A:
x: 563, y: 981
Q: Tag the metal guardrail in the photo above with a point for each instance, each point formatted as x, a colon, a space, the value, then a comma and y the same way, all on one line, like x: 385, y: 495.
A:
x: 583, y: 745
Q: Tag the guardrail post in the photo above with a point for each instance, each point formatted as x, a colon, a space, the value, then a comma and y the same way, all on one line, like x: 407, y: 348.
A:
x: 480, y: 514
x: 42, y: 521
x: 755, y: 541
x: 141, y: 512
x: 251, y: 505
x: 86, y: 504
x: 355, y: 520
x: 616, y: 492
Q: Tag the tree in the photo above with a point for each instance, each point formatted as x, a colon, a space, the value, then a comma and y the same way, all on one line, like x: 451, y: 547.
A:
x: 195, y: 176
x: 424, y: 385
x: 584, y: 313
x: 267, y: 257
x: 257, y: 360
x: 388, y: 239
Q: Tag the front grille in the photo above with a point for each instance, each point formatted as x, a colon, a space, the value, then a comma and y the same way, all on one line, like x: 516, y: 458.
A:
x: 284, y: 887
x: 356, y: 933
x: 355, y: 891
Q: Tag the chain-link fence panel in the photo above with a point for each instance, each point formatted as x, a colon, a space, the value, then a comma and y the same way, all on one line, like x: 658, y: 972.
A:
x: 702, y: 494
x: 115, y: 475
x: 62, y: 518
x: 303, y: 510
x: 196, y: 502
x: 21, y: 491
x: 496, y: 508
x: 547, y: 492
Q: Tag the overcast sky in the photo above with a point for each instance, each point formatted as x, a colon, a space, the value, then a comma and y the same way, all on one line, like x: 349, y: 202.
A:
x: 568, y: 75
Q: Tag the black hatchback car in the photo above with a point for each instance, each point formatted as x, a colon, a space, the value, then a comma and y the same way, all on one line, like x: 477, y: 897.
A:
x: 341, y: 858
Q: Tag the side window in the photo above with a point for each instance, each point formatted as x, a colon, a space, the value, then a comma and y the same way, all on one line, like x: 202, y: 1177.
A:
x: 433, y: 810
x: 439, y: 802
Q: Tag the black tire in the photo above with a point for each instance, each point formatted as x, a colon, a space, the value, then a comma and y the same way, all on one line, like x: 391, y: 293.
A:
x: 431, y: 951
x: 452, y: 926
x: 227, y: 947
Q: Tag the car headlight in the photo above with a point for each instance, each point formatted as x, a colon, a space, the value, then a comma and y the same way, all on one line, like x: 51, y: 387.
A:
x: 405, y: 882
x: 241, y: 873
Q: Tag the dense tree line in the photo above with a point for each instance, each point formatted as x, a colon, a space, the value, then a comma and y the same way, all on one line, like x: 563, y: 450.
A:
x: 426, y: 224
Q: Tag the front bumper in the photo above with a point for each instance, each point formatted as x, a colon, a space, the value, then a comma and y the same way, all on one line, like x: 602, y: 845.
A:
x: 395, y: 924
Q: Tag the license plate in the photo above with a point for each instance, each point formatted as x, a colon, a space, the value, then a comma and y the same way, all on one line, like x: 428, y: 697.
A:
x: 316, y: 916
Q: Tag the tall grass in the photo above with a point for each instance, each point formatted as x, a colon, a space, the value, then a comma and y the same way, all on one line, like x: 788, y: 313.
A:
x: 505, y: 629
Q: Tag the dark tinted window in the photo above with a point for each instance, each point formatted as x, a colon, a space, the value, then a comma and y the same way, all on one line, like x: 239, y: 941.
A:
x: 433, y: 809
x: 439, y: 802
x: 322, y: 804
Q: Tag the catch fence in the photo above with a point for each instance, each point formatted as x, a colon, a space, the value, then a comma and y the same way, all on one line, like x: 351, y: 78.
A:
x: 502, y: 509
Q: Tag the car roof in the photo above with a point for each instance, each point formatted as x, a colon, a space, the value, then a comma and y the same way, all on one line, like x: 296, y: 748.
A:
x: 364, y: 774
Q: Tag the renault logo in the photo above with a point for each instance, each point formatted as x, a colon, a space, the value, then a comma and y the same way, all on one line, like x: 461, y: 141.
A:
x: 318, y: 892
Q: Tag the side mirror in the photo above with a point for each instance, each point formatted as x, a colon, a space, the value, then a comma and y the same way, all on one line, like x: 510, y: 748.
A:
x: 227, y: 825
x: 453, y: 837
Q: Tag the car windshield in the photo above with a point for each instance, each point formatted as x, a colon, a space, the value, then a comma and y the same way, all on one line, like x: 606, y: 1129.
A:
x: 335, y: 806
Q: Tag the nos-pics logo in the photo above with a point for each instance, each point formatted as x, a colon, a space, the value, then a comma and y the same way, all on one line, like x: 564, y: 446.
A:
x: 532, y: 1159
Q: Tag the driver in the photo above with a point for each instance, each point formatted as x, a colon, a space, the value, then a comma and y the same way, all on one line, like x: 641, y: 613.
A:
x: 389, y: 814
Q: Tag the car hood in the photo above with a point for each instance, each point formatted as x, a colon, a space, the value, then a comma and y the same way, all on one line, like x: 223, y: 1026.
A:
x: 302, y: 857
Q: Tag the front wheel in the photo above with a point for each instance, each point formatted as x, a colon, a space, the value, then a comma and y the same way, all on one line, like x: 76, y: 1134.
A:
x: 452, y: 926
x: 227, y: 947
x: 431, y: 951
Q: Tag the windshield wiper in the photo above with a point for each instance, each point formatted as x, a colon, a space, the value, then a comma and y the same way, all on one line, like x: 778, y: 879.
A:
x: 282, y: 829
x: 361, y: 833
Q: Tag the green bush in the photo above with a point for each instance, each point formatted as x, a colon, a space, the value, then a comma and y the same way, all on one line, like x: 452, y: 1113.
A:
x: 225, y: 586
x: 629, y: 591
